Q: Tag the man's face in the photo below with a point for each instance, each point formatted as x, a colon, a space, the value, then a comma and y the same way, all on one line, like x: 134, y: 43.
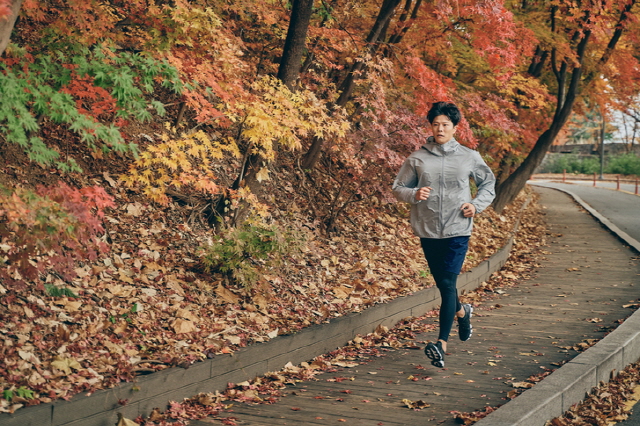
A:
x: 443, y: 129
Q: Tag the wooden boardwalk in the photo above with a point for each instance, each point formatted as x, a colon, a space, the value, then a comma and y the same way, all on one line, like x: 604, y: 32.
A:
x: 577, y: 294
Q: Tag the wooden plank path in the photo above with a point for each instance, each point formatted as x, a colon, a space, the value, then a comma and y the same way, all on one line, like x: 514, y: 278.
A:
x: 578, y: 293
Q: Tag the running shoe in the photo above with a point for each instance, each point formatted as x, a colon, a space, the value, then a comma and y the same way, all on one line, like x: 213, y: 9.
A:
x: 465, y: 330
x: 435, y: 353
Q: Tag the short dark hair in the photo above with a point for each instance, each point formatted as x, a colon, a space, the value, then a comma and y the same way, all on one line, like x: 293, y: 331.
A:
x: 444, y: 108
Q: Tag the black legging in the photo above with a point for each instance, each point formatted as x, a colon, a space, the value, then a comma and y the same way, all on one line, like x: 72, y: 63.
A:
x: 445, y: 258
x: 450, y: 303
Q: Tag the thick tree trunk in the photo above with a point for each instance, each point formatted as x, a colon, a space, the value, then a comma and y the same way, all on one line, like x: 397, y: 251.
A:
x: 508, y: 190
x: 7, y: 23
x: 294, y: 44
x: 566, y: 97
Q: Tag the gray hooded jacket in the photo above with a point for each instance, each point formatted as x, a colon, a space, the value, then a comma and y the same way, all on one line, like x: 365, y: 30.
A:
x: 446, y: 169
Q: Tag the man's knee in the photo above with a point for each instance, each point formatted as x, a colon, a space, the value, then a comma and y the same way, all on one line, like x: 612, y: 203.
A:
x: 447, y: 281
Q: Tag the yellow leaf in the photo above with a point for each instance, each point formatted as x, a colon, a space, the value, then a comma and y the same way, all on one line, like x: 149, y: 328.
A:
x: 263, y: 174
x: 65, y: 365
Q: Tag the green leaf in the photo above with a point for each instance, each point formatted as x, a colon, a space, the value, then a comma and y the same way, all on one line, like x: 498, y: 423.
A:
x: 36, y: 88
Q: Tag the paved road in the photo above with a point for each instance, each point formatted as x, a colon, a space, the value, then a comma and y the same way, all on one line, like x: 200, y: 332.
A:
x: 625, y: 186
x: 620, y: 207
x: 634, y: 420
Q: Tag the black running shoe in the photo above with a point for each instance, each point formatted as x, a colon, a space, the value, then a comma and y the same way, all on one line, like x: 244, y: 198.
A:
x: 435, y: 353
x: 465, y: 330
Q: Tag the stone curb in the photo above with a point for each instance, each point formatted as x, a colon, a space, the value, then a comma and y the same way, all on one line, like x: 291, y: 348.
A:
x: 568, y: 385
x: 175, y: 384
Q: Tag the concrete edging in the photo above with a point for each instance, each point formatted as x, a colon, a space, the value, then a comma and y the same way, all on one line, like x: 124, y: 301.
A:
x: 175, y: 384
x: 569, y: 384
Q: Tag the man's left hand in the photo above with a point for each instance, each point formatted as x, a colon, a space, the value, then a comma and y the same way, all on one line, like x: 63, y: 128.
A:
x: 468, y: 210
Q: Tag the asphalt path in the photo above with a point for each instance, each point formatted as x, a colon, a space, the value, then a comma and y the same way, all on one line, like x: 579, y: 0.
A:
x: 622, y: 208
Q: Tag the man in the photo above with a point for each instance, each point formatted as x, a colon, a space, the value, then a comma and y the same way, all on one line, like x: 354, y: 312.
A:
x: 435, y: 181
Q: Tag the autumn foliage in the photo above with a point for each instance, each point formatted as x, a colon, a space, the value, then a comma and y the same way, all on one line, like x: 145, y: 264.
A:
x: 49, y: 229
x: 177, y: 144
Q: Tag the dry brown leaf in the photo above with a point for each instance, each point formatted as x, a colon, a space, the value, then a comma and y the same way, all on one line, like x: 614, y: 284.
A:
x: 226, y: 295
x: 123, y: 421
x: 181, y: 326
x: 65, y: 365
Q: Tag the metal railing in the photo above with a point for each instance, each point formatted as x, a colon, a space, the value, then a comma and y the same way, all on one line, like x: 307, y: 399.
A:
x: 635, y: 180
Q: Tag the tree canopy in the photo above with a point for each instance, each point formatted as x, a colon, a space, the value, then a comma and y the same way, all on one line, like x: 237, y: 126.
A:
x: 516, y: 69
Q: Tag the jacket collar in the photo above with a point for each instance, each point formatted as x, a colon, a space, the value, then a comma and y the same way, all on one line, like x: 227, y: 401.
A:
x: 441, y: 150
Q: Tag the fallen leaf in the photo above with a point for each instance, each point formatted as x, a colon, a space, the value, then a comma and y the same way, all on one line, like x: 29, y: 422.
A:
x: 415, y: 405
x: 135, y: 209
x: 522, y: 385
x: 123, y: 421
x: 65, y: 365
x: 183, y: 326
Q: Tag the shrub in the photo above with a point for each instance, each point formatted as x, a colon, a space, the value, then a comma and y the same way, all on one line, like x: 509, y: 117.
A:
x: 245, y: 252
x: 80, y: 88
x: 50, y: 228
x: 175, y: 162
x: 625, y: 164
x: 572, y: 163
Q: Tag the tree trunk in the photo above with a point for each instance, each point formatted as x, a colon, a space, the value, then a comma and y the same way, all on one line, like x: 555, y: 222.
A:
x: 404, y: 28
x: 288, y: 73
x: 373, y: 41
x: 507, y: 191
x: 7, y: 23
x: 290, y: 63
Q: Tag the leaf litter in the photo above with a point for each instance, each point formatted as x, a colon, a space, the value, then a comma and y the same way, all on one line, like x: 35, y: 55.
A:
x: 148, y: 306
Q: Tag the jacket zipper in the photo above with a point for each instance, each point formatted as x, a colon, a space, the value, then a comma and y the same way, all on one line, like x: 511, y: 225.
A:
x: 440, y: 212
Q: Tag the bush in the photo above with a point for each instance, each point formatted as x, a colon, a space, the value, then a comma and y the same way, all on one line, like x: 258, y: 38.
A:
x: 572, y: 163
x: 91, y: 91
x: 245, y: 252
x: 626, y: 164
x: 49, y: 229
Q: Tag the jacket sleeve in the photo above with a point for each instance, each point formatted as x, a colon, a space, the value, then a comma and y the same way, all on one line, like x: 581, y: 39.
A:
x: 486, y: 183
x: 405, y: 186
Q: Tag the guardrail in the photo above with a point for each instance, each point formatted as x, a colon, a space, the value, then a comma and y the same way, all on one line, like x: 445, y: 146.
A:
x: 564, y: 177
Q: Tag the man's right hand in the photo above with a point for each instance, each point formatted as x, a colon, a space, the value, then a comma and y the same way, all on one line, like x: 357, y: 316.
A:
x: 423, y: 193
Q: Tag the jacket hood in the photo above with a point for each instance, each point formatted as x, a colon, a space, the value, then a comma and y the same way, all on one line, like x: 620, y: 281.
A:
x: 441, y: 150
